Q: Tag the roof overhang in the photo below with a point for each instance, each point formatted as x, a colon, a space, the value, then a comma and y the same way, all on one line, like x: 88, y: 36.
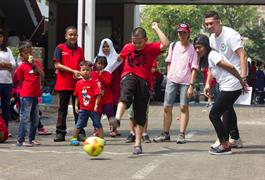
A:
x: 185, y: 2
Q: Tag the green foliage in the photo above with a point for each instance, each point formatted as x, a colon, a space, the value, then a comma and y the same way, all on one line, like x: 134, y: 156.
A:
x: 168, y: 17
x: 244, y: 19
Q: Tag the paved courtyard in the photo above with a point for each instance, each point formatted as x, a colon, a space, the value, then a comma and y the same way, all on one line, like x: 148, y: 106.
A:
x: 171, y: 161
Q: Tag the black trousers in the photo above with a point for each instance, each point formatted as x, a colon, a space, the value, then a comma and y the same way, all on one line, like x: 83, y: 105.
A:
x: 64, y: 98
x: 223, y: 106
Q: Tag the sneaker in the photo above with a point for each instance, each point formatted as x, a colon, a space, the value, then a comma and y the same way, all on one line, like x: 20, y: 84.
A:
x: 130, y: 138
x: 23, y: 144
x: 59, y: 137
x: 146, y: 139
x: 236, y: 143
x: 81, y: 137
x: 181, y: 139
x: 74, y: 142
x: 220, y: 150
x: 114, y: 132
x: 137, y: 150
x: 114, y: 122
x: 35, y: 142
x: 216, y: 144
x: 162, y: 138
x: 43, y: 131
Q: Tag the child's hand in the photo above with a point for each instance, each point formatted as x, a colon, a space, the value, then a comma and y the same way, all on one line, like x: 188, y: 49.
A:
x: 119, y: 59
x: 77, y: 75
x: 154, y: 25
x: 96, y: 108
x: 76, y: 109
x: 206, y: 90
x: 190, y: 92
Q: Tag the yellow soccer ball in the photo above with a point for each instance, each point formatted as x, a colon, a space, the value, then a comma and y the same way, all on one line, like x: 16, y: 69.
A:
x: 93, y: 146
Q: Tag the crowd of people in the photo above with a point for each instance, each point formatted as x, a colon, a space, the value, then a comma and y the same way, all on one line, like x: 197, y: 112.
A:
x: 112, y: 83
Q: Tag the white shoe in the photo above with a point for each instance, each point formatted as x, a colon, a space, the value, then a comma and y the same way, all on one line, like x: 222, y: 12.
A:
x: 236, y: 143
x: 216, y: 144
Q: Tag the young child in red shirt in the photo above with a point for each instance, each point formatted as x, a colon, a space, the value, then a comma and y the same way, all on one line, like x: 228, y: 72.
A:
x: 88, y: 96
x: 135, y: 84
x: 104, y: 78
x: 29, y: 75
x: 67, y: 57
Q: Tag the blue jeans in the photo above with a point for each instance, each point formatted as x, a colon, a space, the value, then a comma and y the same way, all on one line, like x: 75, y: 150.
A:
x: 29, y: 112
x: 171, y: 93
x: 83, y: 116
x: 5, y: 94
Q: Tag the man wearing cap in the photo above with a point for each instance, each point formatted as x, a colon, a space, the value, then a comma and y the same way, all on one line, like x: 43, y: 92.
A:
x: 229, y: 43
x: 181, y: 70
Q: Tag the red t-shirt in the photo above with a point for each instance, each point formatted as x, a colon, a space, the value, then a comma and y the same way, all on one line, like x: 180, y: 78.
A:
x: 86, y: 91
x: 29, y: 79
x: 105, y: 81
x: 152, y: 76
x: 205, y: 74
x: 69, y: 57
x: 140, y: 62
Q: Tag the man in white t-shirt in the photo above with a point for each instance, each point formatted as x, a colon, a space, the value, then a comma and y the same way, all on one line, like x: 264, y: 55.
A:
x: 228, y: 42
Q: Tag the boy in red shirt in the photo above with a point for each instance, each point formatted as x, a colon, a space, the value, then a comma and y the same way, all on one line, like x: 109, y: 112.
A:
x: 29, y: 74
x: 67, y: 57
x: 135, y: 84
x: 88, y: 96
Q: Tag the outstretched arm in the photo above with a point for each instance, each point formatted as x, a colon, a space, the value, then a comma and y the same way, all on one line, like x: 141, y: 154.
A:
x: 163, y: 39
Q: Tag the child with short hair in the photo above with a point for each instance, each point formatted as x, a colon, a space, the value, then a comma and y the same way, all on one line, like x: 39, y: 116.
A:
x: 104, y: 78
x: 29, y: 74
x: 135, y: 84
x: 88, y: 96
x: 67, y: 57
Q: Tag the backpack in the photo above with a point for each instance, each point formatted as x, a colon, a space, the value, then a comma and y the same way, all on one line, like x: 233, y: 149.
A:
x: 3, y: 130
x: 173, y: 45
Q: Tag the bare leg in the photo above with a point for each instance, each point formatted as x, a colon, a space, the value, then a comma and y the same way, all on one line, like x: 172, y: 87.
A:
x: 100, y: 133
x: 184, y: 118
x: 138, y: 131
x: 167, y: 118
x: 75, y: 133
x: 131, y: 125
x: 145, y: 127
x: 120, y: 110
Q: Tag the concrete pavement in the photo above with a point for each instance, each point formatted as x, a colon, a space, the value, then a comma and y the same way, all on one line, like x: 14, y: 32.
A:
x: 52, y: 161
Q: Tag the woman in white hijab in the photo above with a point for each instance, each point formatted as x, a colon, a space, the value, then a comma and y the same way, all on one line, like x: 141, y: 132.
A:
x: 115, y: 68
x: 107, y: 49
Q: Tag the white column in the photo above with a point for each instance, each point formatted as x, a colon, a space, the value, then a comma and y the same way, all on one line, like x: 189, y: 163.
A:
x: 137, y: 21
x: 89, y: 34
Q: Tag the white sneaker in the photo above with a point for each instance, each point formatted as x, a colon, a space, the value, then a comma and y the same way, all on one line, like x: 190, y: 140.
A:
x: 216, y: 144
x: 236, y: 143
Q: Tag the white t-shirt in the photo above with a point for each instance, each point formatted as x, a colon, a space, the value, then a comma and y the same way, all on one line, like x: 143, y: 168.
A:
x: 227, y: 81
x: 227, y: 43
x: 5, y: 75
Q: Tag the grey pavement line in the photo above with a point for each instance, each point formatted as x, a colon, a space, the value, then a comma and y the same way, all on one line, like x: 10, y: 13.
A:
x: 103, y: 153
x: 251, y: 122
x: 146, y: 170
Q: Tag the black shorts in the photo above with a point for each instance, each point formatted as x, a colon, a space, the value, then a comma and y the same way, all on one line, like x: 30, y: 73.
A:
x: 137, y: 91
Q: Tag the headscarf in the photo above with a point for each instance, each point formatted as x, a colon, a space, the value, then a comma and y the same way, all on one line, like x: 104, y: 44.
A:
x: 111, y: 58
